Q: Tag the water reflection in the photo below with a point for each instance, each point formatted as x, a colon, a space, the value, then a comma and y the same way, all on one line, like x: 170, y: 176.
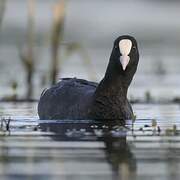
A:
x: 115, y: 148
x: 120, y: 156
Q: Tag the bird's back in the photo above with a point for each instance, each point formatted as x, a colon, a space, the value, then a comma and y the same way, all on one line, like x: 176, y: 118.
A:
x: 71, y: 98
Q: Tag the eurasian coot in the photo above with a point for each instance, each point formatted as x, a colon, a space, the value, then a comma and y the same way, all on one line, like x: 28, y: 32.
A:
x: 78, y: 99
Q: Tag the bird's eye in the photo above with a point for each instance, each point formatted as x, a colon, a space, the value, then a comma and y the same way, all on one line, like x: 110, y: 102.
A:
x: 134, y: 47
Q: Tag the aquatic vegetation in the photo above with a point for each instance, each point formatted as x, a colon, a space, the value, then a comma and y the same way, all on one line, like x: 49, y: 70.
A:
x: 175, y: 129
x: 5, y: 124
x: 27, y: 56
x: 159, y: 129
x: 2, y: 10
x: 154, y: 123
x: 134, y: 118
x: 57, y: 31
x: 159, y: 69
x: 176, y: 100
x: 14, y: 86
x: 133, y: 121
x: 56, y: 39
x: 148, y: 97
x: 13, y: 96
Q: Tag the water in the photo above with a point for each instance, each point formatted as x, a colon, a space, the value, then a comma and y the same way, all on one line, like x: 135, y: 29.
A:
x: 88, y: 149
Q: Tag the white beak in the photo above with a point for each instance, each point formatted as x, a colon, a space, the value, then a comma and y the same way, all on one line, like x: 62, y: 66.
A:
x: 124, y: 61
x: 125, y: 48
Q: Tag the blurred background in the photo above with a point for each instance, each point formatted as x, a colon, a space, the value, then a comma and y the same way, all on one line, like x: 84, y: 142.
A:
x: 44, y: 40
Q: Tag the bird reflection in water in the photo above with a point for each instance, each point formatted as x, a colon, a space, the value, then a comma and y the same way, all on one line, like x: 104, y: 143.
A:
x: 120, y: 157
x: 113, y: 135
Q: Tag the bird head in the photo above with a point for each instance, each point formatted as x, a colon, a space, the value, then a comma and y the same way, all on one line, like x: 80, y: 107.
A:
x: 125, y: 52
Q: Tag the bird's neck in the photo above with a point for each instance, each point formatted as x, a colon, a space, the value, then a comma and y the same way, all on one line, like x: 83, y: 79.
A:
x: 110, y: 97
x: 115, y: 82
x: 111, y: 87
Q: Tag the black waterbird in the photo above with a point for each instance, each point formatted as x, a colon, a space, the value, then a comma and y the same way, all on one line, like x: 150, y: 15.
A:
x: 73, y: 98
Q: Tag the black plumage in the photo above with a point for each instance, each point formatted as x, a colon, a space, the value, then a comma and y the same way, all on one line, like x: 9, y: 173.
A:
x: 73, y: 98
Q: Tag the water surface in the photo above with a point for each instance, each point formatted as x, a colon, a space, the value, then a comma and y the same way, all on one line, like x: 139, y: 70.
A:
x: 85, y: 150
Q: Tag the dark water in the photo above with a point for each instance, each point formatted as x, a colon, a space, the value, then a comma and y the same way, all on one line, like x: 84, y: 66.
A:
x: 86, y: 150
